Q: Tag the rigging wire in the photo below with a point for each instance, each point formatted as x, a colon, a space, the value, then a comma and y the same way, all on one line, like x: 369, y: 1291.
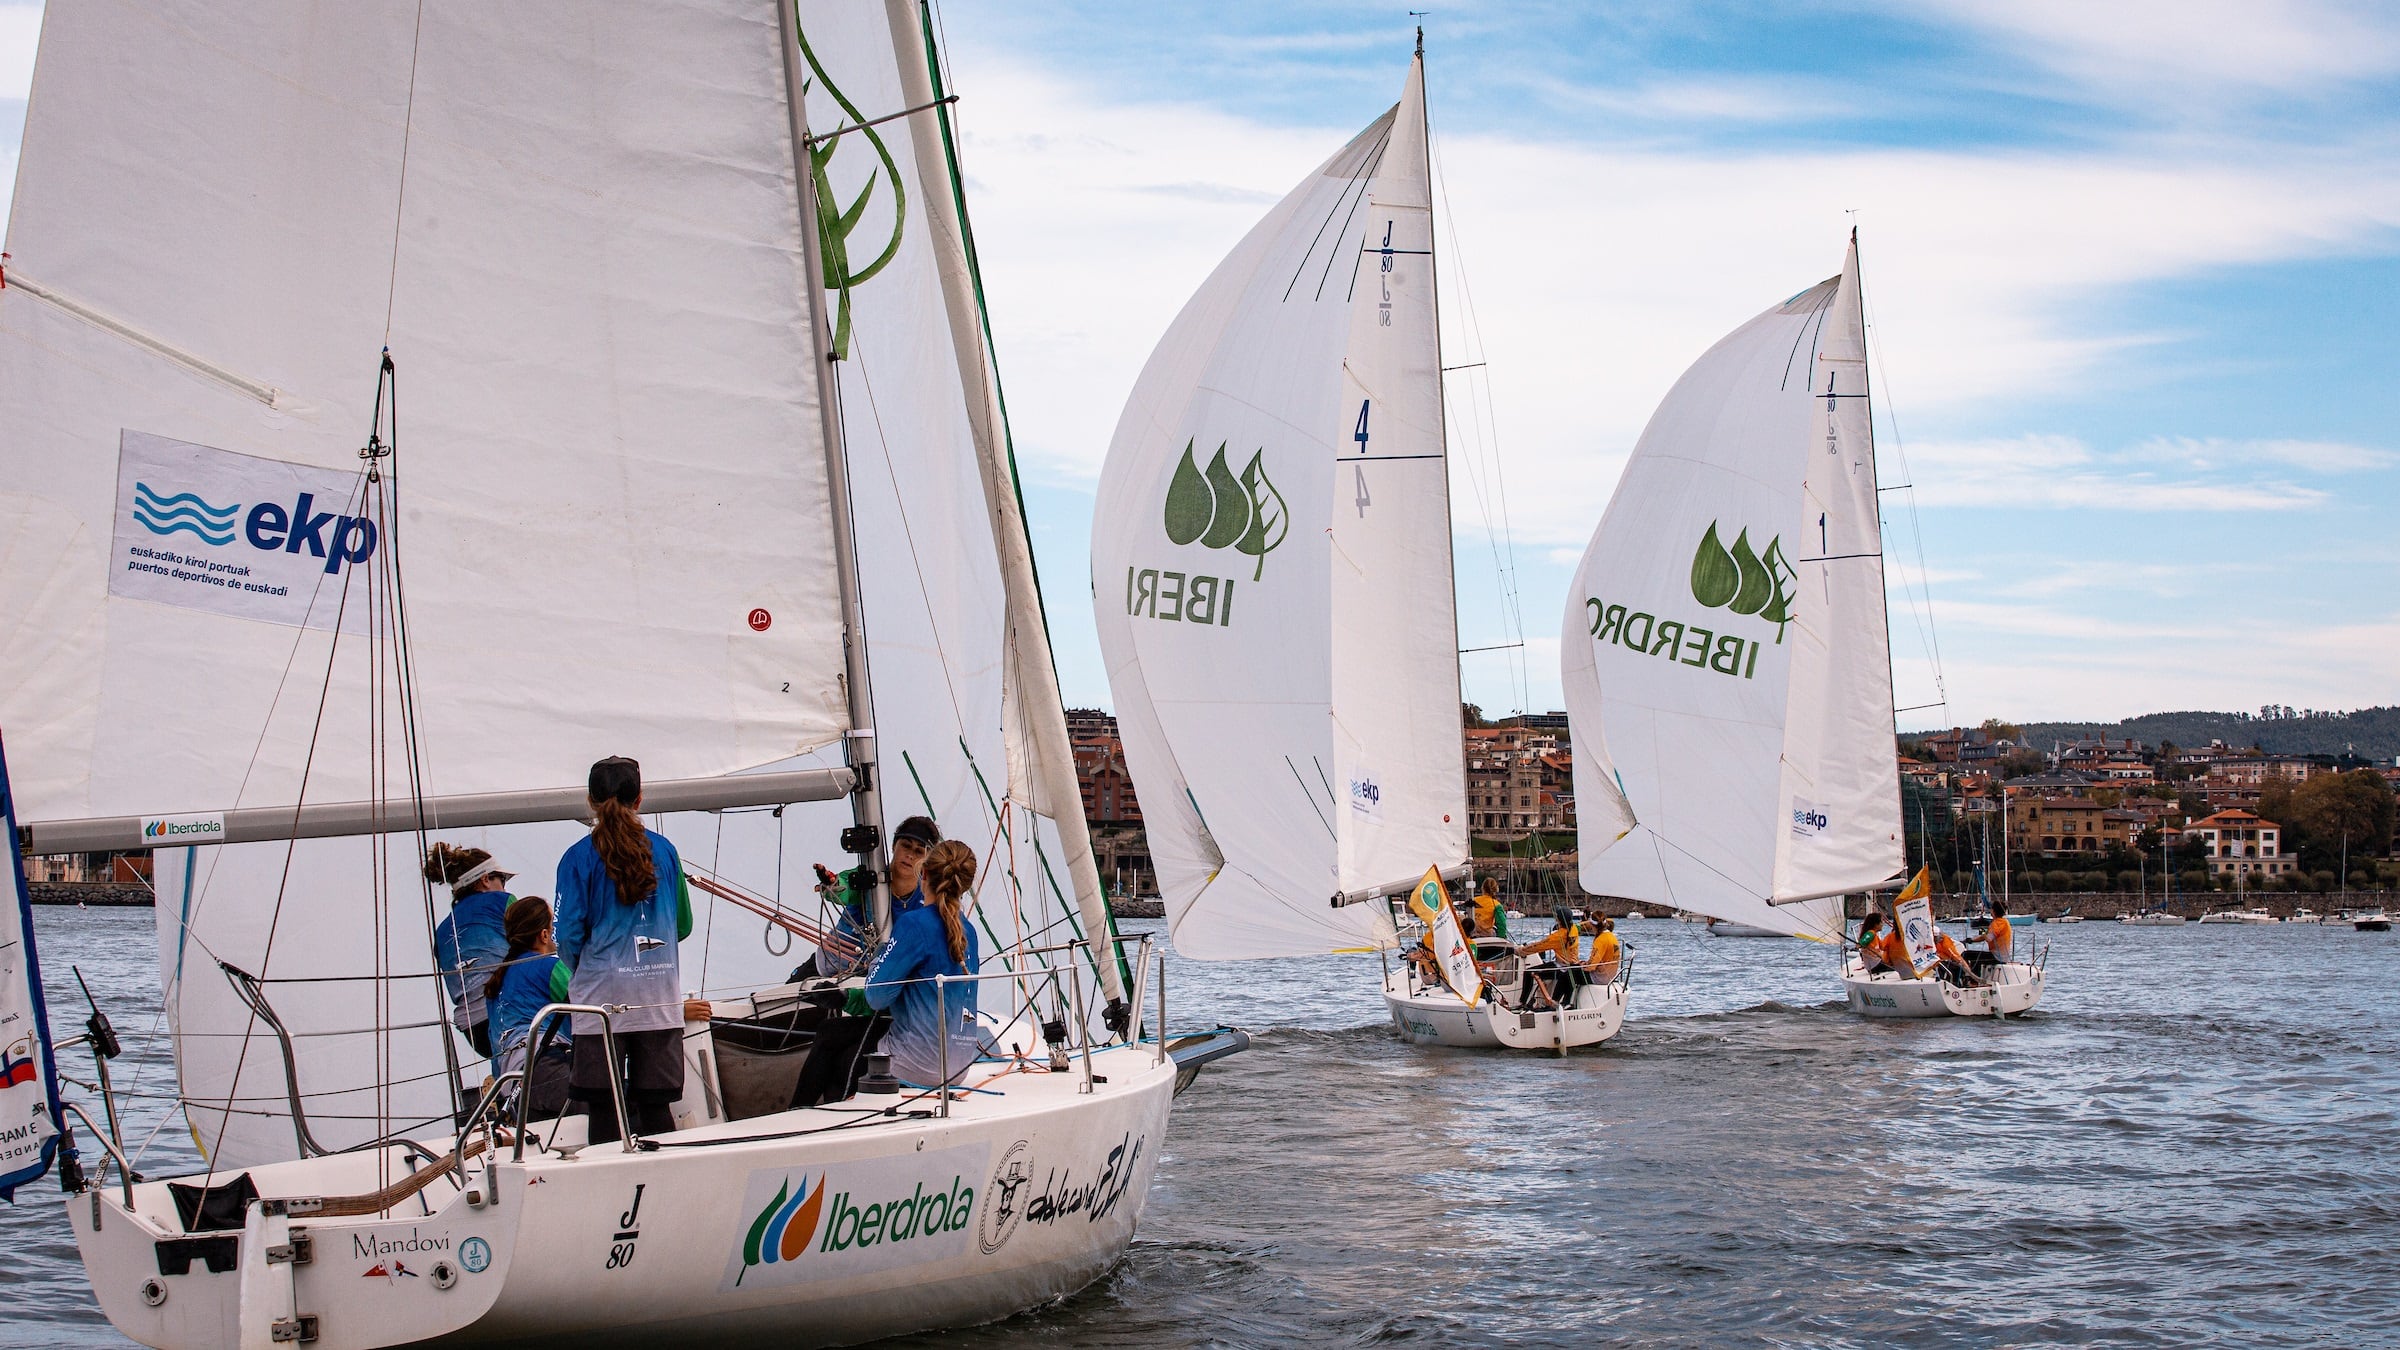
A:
x: 1917, y: 590
x: 1489, y: 480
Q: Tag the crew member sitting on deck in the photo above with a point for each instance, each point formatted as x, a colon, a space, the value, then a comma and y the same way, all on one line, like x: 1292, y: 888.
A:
x: 1565, y: 944
x: 930, y: 940
x: 1491, y: 917
x: 471, y: 940
x: 1881, y: 949
x: 531, y: 978
x: 1607, y: 952
x: 1953, y: 965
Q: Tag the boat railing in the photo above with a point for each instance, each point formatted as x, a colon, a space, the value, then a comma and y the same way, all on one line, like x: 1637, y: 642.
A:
x: 1074, y: 995
x: 538, y: 1033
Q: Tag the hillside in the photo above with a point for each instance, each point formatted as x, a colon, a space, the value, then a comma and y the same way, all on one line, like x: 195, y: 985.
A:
x: 2373, y: 732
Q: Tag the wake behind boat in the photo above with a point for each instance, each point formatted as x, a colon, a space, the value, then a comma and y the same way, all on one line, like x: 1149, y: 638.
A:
x: 630, y: 297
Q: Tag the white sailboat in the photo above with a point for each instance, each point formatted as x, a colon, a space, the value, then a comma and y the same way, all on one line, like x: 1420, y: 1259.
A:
x: 1724, y: 651
x: 690, y: 394
x: 1271, y: 555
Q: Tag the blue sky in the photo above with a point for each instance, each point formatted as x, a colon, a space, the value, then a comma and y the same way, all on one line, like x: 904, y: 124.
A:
x: 2133, y: 271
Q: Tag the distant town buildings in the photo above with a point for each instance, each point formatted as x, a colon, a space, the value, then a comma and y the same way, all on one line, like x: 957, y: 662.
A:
x: 2241, y: 844
x: 1521, y: 780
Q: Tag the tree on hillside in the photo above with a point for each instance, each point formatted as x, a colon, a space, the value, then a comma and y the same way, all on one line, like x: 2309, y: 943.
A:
x: 2336, y: 815
x: 1995, y: 729
x: 1472, y: 714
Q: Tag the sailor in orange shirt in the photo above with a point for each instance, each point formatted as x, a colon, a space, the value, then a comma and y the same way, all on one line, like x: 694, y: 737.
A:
x: 2000, y: 945
x: 1953, y: 961
x: 1880, y: 948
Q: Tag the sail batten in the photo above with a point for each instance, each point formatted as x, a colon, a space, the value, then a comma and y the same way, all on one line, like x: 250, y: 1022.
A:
x: 1724, y: 651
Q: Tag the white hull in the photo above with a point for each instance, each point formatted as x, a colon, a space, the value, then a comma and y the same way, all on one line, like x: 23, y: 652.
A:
x: 1438, y: 1017
x: 2154, y: 921
x: 1024, y: 1194
x: 2015, y: 988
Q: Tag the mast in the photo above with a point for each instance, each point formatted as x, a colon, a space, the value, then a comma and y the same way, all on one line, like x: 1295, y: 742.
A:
x: 866, y: 838
x: 1032, y: 680
x: 1441, y: 424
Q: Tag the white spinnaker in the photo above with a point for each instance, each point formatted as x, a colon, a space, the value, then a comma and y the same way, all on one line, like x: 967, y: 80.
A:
x: 1277, y: 622
x: 1723, y: 651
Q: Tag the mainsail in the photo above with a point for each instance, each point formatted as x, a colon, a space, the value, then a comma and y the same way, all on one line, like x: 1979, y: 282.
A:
x: 1271, y: 559
x: 579, y: 232
x: 1725, y: 657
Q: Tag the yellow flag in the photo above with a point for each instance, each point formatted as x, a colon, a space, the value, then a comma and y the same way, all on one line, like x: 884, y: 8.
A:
x: 1920, y: 886
x: 1430, y: 901
x: 1912, y: 913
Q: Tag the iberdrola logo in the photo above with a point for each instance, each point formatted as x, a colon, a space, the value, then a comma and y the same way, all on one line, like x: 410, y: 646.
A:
x: 1217, y: 510
x: 784, y: 1228
x: 1740, y: 580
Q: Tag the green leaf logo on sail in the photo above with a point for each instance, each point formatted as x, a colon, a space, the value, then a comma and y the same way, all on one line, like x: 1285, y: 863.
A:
x: 836, y: 223
x: 1741, y: 580
x: 1214, y: 509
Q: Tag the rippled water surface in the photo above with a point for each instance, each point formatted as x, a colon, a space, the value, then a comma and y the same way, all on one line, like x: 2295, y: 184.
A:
x: 2192, y: 1141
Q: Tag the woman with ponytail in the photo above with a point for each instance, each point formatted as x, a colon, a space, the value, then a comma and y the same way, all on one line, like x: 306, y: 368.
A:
x: 469, y: 941
x: 929, y: 941
x: 532, y: 977
x: 622, y: 908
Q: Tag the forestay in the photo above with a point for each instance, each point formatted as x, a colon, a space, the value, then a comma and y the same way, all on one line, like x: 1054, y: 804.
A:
x: 1271, y: 563
x: 1725, y: 658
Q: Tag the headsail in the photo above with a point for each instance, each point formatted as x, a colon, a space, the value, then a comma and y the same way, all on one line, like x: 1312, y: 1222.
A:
x: 586, y: 225
x: 1724, y: 651
x: 1271, y: 554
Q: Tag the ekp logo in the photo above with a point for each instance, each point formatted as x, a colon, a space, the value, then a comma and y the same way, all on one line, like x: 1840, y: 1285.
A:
x: 268, y: 527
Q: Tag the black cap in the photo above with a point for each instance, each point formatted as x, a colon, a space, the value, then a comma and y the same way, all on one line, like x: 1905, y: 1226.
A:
x: 921, y: 829
x: 615, y: 779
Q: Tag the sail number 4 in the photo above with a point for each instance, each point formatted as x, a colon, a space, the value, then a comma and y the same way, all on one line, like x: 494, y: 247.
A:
x: 1358, y: 472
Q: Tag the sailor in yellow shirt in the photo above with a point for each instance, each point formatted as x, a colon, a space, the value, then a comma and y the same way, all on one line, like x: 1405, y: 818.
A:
x: 1491, y: 917
x: 1607, y: 952
x: 2000, y: 944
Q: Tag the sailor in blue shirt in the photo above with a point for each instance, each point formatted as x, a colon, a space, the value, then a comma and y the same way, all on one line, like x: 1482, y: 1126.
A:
x: 470, y: 942
x: 531, y: 978
x: 929, y: 940
x: 623, y: 906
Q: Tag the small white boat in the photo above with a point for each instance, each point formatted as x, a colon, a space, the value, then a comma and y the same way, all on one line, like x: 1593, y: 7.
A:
x: 2373, y: 921
x: 1633, y: 914
x: 1514, y: 1013
x: 2067, y: 918
x: 1728, y: 928
x: 1686, y: 916
x: 2153, y: 918
x: 2304, y: 915
x: 2015, y: 987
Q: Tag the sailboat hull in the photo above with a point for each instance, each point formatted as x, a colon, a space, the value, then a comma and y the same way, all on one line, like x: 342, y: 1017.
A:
x: 821, y: 1227
x: 1438, y: 1017
x: 2014, y: 988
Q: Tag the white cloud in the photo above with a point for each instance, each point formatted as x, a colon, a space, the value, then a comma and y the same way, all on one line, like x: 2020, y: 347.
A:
x: 20, y: 33
x: 2061, y: 472
x: 1599, y: 273
x: 2215, y: 48
x: 2318, y: 457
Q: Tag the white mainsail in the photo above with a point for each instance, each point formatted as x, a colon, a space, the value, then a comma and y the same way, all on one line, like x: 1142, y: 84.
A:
x: 586, y: 226
x: 1725, y: 656
x: 1271, y: 559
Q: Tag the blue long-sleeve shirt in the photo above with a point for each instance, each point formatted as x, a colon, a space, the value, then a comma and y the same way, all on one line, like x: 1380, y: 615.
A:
x: 534, y: 981
x: 623, y: 953
x: 902, y: 981
x: 474, y: 932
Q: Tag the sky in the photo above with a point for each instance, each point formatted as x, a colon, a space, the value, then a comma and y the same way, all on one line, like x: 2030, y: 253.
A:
x: 2132, y: 275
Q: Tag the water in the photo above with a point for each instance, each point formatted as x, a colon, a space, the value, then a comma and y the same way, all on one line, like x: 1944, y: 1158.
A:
x: 2186, y: 1144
